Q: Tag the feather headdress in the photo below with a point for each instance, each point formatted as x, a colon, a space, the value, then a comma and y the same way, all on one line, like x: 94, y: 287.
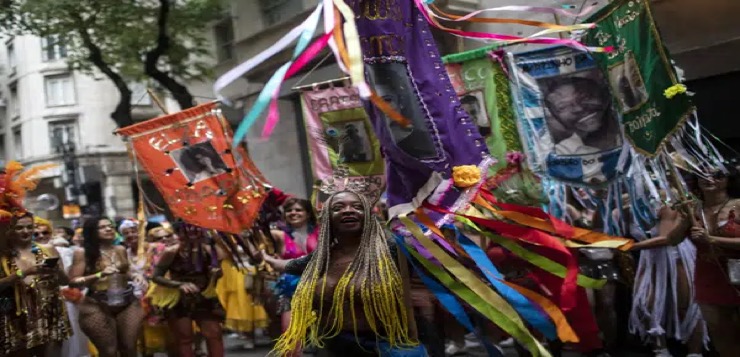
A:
x: 14, y: 183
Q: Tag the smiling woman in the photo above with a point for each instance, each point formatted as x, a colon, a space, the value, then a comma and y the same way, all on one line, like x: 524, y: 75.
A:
x: 352, y: 270
x: 297, y: 237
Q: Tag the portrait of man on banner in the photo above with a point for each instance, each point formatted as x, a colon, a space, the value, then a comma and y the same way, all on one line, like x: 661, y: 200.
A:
x: 568, y: 117
x: 474, y: 104
x: 391, y: 82
x: 339, y: 134
x: 627, y: 84
x: 578, y: 112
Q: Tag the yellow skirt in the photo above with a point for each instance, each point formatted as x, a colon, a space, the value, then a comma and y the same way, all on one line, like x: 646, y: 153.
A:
x: 155, y: 340
x: 242, y: 314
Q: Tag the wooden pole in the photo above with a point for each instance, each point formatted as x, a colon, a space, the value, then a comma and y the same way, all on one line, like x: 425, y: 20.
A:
x: 157, y: 100
x: 684, y: 202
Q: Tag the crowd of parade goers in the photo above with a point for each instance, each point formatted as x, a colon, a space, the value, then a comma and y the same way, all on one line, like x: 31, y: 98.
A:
x: 115, y: 287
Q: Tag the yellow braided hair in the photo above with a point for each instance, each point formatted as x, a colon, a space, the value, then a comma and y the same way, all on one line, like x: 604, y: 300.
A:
x: 372, y: 271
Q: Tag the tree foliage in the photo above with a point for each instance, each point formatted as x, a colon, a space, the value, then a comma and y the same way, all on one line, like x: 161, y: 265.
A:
x: 127, y: 40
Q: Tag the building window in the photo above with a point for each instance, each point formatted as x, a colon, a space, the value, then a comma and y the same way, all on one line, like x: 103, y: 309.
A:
x: 224, y: 33
x: 11, y: 58
x: 14, y: 103
x: 52, y: 48
x: 63, y: 135
x: 17, y: 143
x: 139, y: 95
x: 276, y: 11
x: 60, y: 90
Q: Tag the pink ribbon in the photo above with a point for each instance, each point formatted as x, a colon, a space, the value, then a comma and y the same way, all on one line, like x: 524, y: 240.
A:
x: 273, y: 113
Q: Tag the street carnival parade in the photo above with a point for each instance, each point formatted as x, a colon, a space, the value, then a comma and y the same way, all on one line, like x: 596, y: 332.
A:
x: 543, y: 195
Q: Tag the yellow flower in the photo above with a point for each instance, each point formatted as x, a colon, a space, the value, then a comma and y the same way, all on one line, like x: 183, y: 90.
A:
x: 466, y: 175
x: 674, y: 90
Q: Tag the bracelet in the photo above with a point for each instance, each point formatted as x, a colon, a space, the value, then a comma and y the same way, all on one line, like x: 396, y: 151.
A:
x: 99, y: 275
x: 19, y: 273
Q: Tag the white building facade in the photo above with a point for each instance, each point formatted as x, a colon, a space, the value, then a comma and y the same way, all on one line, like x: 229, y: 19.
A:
x: 46, y: 103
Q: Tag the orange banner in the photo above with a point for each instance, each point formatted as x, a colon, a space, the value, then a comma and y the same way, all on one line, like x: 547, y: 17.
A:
x: 188, y: 156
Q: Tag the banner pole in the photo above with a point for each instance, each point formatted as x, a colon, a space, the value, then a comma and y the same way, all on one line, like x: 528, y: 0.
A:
x: 157, y: 101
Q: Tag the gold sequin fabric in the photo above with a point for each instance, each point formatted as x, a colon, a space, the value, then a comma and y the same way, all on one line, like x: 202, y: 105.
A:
x: 42, y: 319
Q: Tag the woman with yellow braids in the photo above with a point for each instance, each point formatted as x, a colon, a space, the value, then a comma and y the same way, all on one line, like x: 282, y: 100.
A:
x: 350, y: 300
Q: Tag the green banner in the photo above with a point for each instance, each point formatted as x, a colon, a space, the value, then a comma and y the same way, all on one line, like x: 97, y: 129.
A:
x: 483, y: 89
x: 639, y: 72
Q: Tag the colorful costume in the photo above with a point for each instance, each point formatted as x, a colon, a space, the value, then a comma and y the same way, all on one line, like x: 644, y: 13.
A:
x: 243, y: 314
x: 31, y: 315
x: 711, y: 277
x: 287, y: 283
x: 655, y: 301
x: 34, y: 314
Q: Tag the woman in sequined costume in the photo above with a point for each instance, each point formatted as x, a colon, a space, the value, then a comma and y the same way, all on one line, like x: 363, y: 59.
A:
x: 110, y: 314
x: 191, y: 268
x: 34, y: 320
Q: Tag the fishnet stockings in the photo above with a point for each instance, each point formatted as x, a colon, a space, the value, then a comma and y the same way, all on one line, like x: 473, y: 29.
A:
x: 110, y: 332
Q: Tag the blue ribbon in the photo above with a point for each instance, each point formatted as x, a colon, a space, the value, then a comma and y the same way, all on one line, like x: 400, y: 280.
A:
x: 448, y: 301
x: 526, y: 309
x: 263, y: 100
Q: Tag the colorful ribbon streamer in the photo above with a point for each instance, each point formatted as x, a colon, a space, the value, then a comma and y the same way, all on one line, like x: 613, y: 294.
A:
x: 505, y: 317
x: 238, y: 71
x: 508, y: 39
x: 524, y: 307
x: 308, y: 28
x: 448, y: 301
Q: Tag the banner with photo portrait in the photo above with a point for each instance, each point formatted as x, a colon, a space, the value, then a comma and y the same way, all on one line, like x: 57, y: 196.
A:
x: 340, y: 134
x: 189, y: 158
x: 484, y: 92
x: 639, y: 72
x: 567, y: 118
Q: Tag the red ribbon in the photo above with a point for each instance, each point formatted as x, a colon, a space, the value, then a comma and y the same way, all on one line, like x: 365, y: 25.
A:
x: 534, y: 237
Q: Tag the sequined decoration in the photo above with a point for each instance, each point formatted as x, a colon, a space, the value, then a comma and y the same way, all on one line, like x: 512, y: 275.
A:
x: 509, y: 131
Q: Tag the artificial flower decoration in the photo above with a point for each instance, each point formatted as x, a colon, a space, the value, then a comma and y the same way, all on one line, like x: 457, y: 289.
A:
x: 674, y: 90
x: 514, y: 158
x: 466, y: 176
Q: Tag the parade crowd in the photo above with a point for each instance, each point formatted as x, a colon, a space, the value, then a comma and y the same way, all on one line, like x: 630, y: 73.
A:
x: 98, y: 290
